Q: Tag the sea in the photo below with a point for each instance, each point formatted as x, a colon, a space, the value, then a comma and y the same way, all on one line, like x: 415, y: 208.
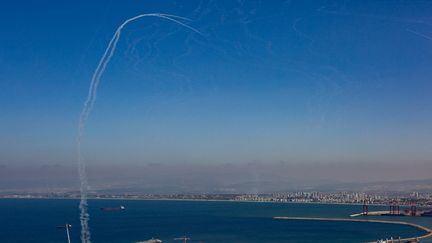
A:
x: 35, y: 220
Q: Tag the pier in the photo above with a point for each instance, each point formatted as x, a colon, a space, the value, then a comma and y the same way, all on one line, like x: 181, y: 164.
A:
x: 428, y: 232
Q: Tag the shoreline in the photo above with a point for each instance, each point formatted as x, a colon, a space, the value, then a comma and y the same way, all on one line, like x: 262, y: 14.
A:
x: 427, y: 231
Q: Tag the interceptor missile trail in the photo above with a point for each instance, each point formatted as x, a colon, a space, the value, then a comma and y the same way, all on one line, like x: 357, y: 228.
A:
x: 88, y: 106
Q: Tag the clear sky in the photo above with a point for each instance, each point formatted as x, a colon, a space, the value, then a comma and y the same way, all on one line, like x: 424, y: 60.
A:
x: 267, y: 82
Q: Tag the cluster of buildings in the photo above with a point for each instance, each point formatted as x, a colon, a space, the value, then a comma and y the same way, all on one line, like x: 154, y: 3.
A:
x: 341, y: 197
x: 419, y: 199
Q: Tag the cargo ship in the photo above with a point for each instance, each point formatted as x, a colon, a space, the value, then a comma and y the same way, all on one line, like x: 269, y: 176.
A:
x: 120, y: 208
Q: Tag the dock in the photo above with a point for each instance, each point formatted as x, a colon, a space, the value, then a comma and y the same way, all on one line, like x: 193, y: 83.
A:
x: 428, y: 232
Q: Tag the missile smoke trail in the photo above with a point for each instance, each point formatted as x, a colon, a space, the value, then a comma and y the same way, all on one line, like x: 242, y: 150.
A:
x: 88, y: 106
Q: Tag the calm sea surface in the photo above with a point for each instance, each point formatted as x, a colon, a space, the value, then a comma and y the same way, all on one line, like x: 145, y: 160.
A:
x: 36, y: 220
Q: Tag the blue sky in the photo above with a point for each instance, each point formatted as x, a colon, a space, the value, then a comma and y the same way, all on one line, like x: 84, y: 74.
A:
x: 268, y: 81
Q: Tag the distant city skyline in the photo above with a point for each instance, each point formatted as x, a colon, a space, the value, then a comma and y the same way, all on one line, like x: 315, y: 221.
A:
x: 305, y: 84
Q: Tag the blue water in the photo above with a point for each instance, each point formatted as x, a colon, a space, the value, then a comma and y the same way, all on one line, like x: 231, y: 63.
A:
x: 36, y: 221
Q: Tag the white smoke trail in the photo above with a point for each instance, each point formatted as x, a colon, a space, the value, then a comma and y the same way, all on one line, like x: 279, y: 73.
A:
x: 420, y: 34
x: 88, y: 106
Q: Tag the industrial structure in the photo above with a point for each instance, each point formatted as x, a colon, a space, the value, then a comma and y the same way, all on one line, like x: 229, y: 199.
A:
x: 395, y: 210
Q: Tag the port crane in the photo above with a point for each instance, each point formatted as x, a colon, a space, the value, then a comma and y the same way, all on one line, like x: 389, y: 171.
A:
x: 67, y: 227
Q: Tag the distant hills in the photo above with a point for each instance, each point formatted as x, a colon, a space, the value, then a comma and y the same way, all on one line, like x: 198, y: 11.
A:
x: 180, y: 178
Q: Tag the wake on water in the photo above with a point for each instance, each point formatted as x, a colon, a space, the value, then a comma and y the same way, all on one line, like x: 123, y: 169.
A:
x: 88, y: 106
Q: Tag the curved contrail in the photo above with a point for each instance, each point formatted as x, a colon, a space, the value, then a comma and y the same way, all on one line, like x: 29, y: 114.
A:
x: 88, y: 106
